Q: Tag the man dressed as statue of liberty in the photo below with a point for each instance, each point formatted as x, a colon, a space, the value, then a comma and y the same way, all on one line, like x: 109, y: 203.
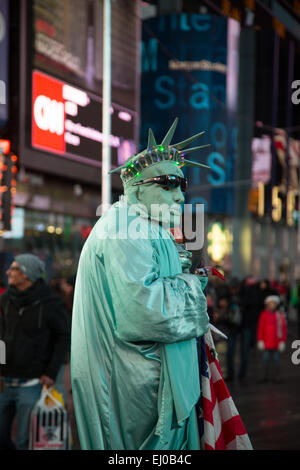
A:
x: 136, y: 314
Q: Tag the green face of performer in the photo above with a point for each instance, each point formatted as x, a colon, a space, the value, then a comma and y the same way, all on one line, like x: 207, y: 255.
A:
x: 162, y: 203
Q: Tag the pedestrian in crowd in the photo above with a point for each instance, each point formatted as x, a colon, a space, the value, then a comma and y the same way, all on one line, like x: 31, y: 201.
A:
x: 265, y: 290
x: 235, y: 330
x: 55, y: 285
x: 220, y: 287
x: 211, y: 297
x: 66, y: 291
x: 210, y: 306
x: 228, y: 318
x: 295, y: 302
x: 35, y: 329
x: 67, y: 286
x: 221, y: 313
x: 283, y: 290
x: 271, y: 337
x: 250, y: 310
x: 285, y: 296
x: 2, y: 287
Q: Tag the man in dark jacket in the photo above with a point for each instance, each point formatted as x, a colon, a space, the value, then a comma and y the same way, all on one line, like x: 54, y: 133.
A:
x: 35, y: 330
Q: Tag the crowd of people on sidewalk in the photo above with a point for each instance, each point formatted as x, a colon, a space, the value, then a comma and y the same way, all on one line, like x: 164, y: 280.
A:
x: 252, y: 313
x: 35, y: 324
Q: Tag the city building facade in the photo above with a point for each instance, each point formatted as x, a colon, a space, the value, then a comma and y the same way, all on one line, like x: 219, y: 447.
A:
x: 229, y: 68
x: 53, y: 120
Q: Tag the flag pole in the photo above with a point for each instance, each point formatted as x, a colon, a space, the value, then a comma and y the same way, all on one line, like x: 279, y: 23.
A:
x: 106, y: 105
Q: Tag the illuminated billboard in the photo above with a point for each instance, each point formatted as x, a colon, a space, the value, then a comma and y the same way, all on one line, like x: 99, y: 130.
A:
x: 195, y: 78
x: 275, y: 146
x: 67, y: 121
x: 277, y: 199
x: 60, y: 106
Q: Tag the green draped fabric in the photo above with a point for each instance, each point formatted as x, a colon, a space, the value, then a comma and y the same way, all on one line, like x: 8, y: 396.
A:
x: 136, y: 316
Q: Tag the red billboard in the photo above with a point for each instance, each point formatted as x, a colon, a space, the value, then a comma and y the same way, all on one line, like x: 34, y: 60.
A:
x: 48, y: 113
x: 67, y: 121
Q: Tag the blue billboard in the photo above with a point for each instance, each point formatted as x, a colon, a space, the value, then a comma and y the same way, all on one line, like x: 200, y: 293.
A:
x: 4, y: 33
x: 186, y: 73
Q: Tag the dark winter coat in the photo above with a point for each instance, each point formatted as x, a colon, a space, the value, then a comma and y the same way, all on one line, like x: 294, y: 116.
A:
x: 36, y: 331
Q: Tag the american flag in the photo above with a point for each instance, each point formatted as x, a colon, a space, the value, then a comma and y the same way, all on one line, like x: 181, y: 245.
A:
x: 220, y: 424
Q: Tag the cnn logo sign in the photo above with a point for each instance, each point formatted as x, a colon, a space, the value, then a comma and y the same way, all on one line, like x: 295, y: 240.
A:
x: 48, y: 113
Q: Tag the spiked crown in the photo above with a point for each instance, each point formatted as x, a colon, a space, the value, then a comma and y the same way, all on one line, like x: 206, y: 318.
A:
x: 155, y: 153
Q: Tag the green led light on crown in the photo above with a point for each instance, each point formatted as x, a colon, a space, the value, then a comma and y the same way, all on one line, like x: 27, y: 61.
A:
x: 155, y: 154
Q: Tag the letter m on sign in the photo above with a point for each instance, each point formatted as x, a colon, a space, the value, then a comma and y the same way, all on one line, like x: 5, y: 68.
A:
x: 149, y: 55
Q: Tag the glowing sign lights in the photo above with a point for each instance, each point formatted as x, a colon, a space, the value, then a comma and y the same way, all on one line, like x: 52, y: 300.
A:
x: 278, y: 203
x: 219, y: 242
x: 8, y: 182
x: 4, y: 51
x: 4, y: 146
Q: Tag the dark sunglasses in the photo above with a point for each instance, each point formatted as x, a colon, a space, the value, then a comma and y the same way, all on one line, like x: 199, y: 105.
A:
x: 171, y: 181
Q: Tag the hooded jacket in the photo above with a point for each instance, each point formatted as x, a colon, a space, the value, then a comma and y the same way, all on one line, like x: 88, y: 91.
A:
x: 35, y: 329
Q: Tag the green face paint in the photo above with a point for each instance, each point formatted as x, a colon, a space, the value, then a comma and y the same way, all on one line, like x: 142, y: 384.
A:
x: 161, y: 204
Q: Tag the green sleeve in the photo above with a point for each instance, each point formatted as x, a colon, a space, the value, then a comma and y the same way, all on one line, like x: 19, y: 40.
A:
x: 149, y: 307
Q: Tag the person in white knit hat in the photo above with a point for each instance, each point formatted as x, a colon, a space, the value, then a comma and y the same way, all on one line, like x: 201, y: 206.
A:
x: 271, y: 337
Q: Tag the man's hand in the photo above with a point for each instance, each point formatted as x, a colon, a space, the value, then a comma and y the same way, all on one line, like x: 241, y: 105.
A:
x: 45, y: 380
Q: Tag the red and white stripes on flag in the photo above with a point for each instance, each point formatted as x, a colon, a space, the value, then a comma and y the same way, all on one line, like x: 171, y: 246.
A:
x: 220, y: 424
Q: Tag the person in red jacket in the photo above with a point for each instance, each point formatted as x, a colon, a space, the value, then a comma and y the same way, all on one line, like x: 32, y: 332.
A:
x: 271, y: 336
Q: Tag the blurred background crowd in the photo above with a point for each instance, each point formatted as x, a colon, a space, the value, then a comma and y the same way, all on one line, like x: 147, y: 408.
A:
x: 236, y: 307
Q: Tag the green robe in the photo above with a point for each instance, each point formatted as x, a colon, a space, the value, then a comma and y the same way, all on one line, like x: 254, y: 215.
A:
x: 136, y: 316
